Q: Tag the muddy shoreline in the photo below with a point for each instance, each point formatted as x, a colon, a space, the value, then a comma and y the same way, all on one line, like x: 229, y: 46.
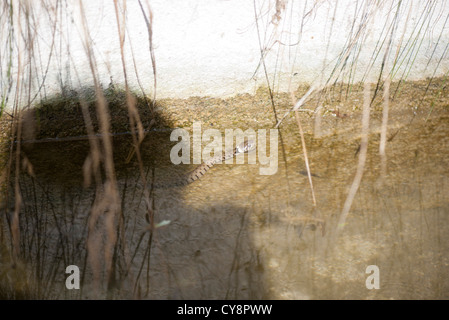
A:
x: 238, y: 234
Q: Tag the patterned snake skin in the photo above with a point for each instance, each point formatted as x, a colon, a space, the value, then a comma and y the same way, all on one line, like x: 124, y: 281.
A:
x: 199, y: 171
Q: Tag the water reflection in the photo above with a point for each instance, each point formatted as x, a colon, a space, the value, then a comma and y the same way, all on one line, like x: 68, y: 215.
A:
x: 238, y: 235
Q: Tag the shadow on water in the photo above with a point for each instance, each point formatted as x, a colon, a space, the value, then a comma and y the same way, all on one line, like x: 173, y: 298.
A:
x: 236, y: 234
x: 180, y: 252
x: 200, y: 254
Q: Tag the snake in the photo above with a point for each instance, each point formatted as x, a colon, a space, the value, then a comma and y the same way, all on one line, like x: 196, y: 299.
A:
x: 198, y: 172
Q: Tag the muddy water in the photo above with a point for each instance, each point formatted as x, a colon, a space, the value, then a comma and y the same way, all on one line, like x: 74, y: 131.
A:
x: 236, y: 234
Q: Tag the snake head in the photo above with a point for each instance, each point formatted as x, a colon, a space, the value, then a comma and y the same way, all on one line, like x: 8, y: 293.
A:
x: 246, y: 146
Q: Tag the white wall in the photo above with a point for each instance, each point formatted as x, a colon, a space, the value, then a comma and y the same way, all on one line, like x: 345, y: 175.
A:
x: 212, y: 47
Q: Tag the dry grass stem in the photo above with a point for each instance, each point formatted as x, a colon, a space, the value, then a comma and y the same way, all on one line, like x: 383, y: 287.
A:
x: 362, y: 159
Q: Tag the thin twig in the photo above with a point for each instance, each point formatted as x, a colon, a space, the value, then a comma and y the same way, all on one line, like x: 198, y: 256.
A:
x: 383, y: 131
x: 149, y: 23
x: 362, y: 159
x: 306, y: 158
x: 298, y: 104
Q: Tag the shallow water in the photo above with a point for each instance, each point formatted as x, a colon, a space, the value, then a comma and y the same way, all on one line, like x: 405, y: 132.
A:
x: 236, y: 234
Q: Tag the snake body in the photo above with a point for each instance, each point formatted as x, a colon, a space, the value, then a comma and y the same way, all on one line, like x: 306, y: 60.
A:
x: 201, y: 170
